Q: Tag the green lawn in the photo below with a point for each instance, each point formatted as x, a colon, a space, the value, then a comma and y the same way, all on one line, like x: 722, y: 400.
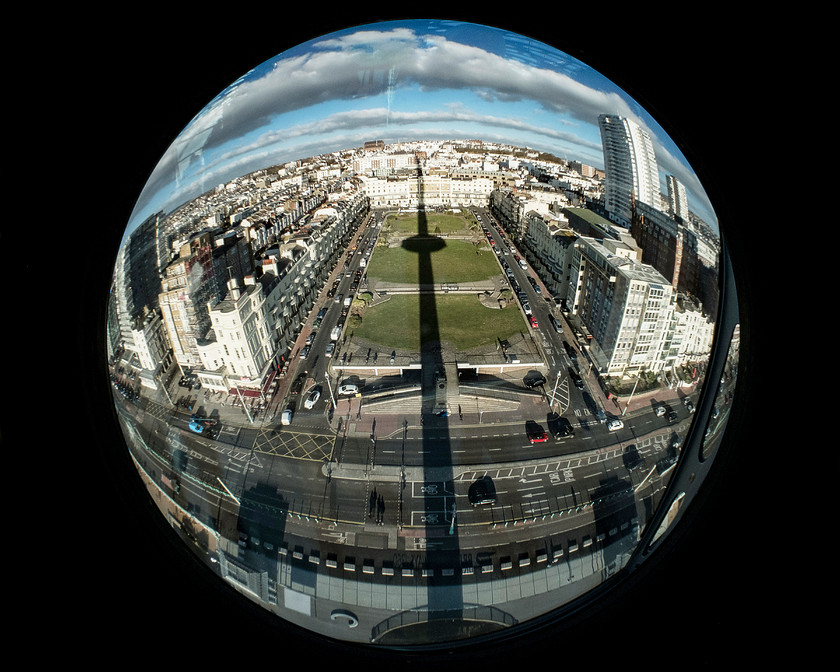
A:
x: 464, y: 322
x: 452, y: 261
x: 407, y: 224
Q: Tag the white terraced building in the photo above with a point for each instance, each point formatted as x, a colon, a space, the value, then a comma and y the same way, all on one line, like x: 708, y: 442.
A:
x: 627, y: 307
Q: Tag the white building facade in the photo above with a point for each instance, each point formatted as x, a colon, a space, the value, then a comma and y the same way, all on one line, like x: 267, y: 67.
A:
x: 432, y: 189
x: 238, y: 353
x: 630, y: 166
x: 626, y: 306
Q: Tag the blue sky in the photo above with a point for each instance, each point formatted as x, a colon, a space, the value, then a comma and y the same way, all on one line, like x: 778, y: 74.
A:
x: 400, y: 81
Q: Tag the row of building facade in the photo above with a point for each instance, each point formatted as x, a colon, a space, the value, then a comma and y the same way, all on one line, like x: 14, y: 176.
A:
x: 233, y: 299
x: 226, y: 301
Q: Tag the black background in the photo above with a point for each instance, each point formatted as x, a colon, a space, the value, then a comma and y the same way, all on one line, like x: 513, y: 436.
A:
x: 114, y: 585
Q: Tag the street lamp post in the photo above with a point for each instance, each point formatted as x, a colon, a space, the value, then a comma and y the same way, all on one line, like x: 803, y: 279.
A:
x: 627, y: 405
x: 329, y: 385
x: 554, y: 391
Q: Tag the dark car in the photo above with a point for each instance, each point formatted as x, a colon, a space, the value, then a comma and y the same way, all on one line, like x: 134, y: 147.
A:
x: 632, y: 458
x: 482, y: 491
x: 576, y: 379
x: 561, y: 428
x: 535, y: 382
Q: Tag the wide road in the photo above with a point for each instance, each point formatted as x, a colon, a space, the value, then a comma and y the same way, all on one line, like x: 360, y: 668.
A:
x: 265, y: 470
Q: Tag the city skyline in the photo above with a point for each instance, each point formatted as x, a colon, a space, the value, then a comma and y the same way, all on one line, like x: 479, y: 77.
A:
x: 401, y: 81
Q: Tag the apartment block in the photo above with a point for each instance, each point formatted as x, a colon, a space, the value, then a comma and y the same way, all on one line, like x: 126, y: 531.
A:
x: 625, y: 307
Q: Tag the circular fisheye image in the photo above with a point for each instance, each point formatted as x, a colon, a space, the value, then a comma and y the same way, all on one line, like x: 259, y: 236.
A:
x: 422, y: 332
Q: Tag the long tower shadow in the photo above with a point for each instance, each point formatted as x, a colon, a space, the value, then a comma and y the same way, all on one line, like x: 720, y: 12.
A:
x: 445, y: 598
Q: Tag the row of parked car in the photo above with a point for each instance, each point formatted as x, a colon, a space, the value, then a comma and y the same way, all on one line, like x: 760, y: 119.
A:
x: 345, y: 390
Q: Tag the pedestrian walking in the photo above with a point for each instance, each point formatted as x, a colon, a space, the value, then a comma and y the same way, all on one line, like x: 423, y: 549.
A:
x: 380, y: 510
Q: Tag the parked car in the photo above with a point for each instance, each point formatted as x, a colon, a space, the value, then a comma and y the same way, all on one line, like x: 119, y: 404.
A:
x: 199, y: 428
x: 533, y: 321
x: 535, y: 382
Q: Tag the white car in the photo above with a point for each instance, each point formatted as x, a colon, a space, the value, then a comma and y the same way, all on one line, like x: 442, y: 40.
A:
x: 348, y: 388
x: 286, y: 418
x: 614, y: 424
x: 312, y: 399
